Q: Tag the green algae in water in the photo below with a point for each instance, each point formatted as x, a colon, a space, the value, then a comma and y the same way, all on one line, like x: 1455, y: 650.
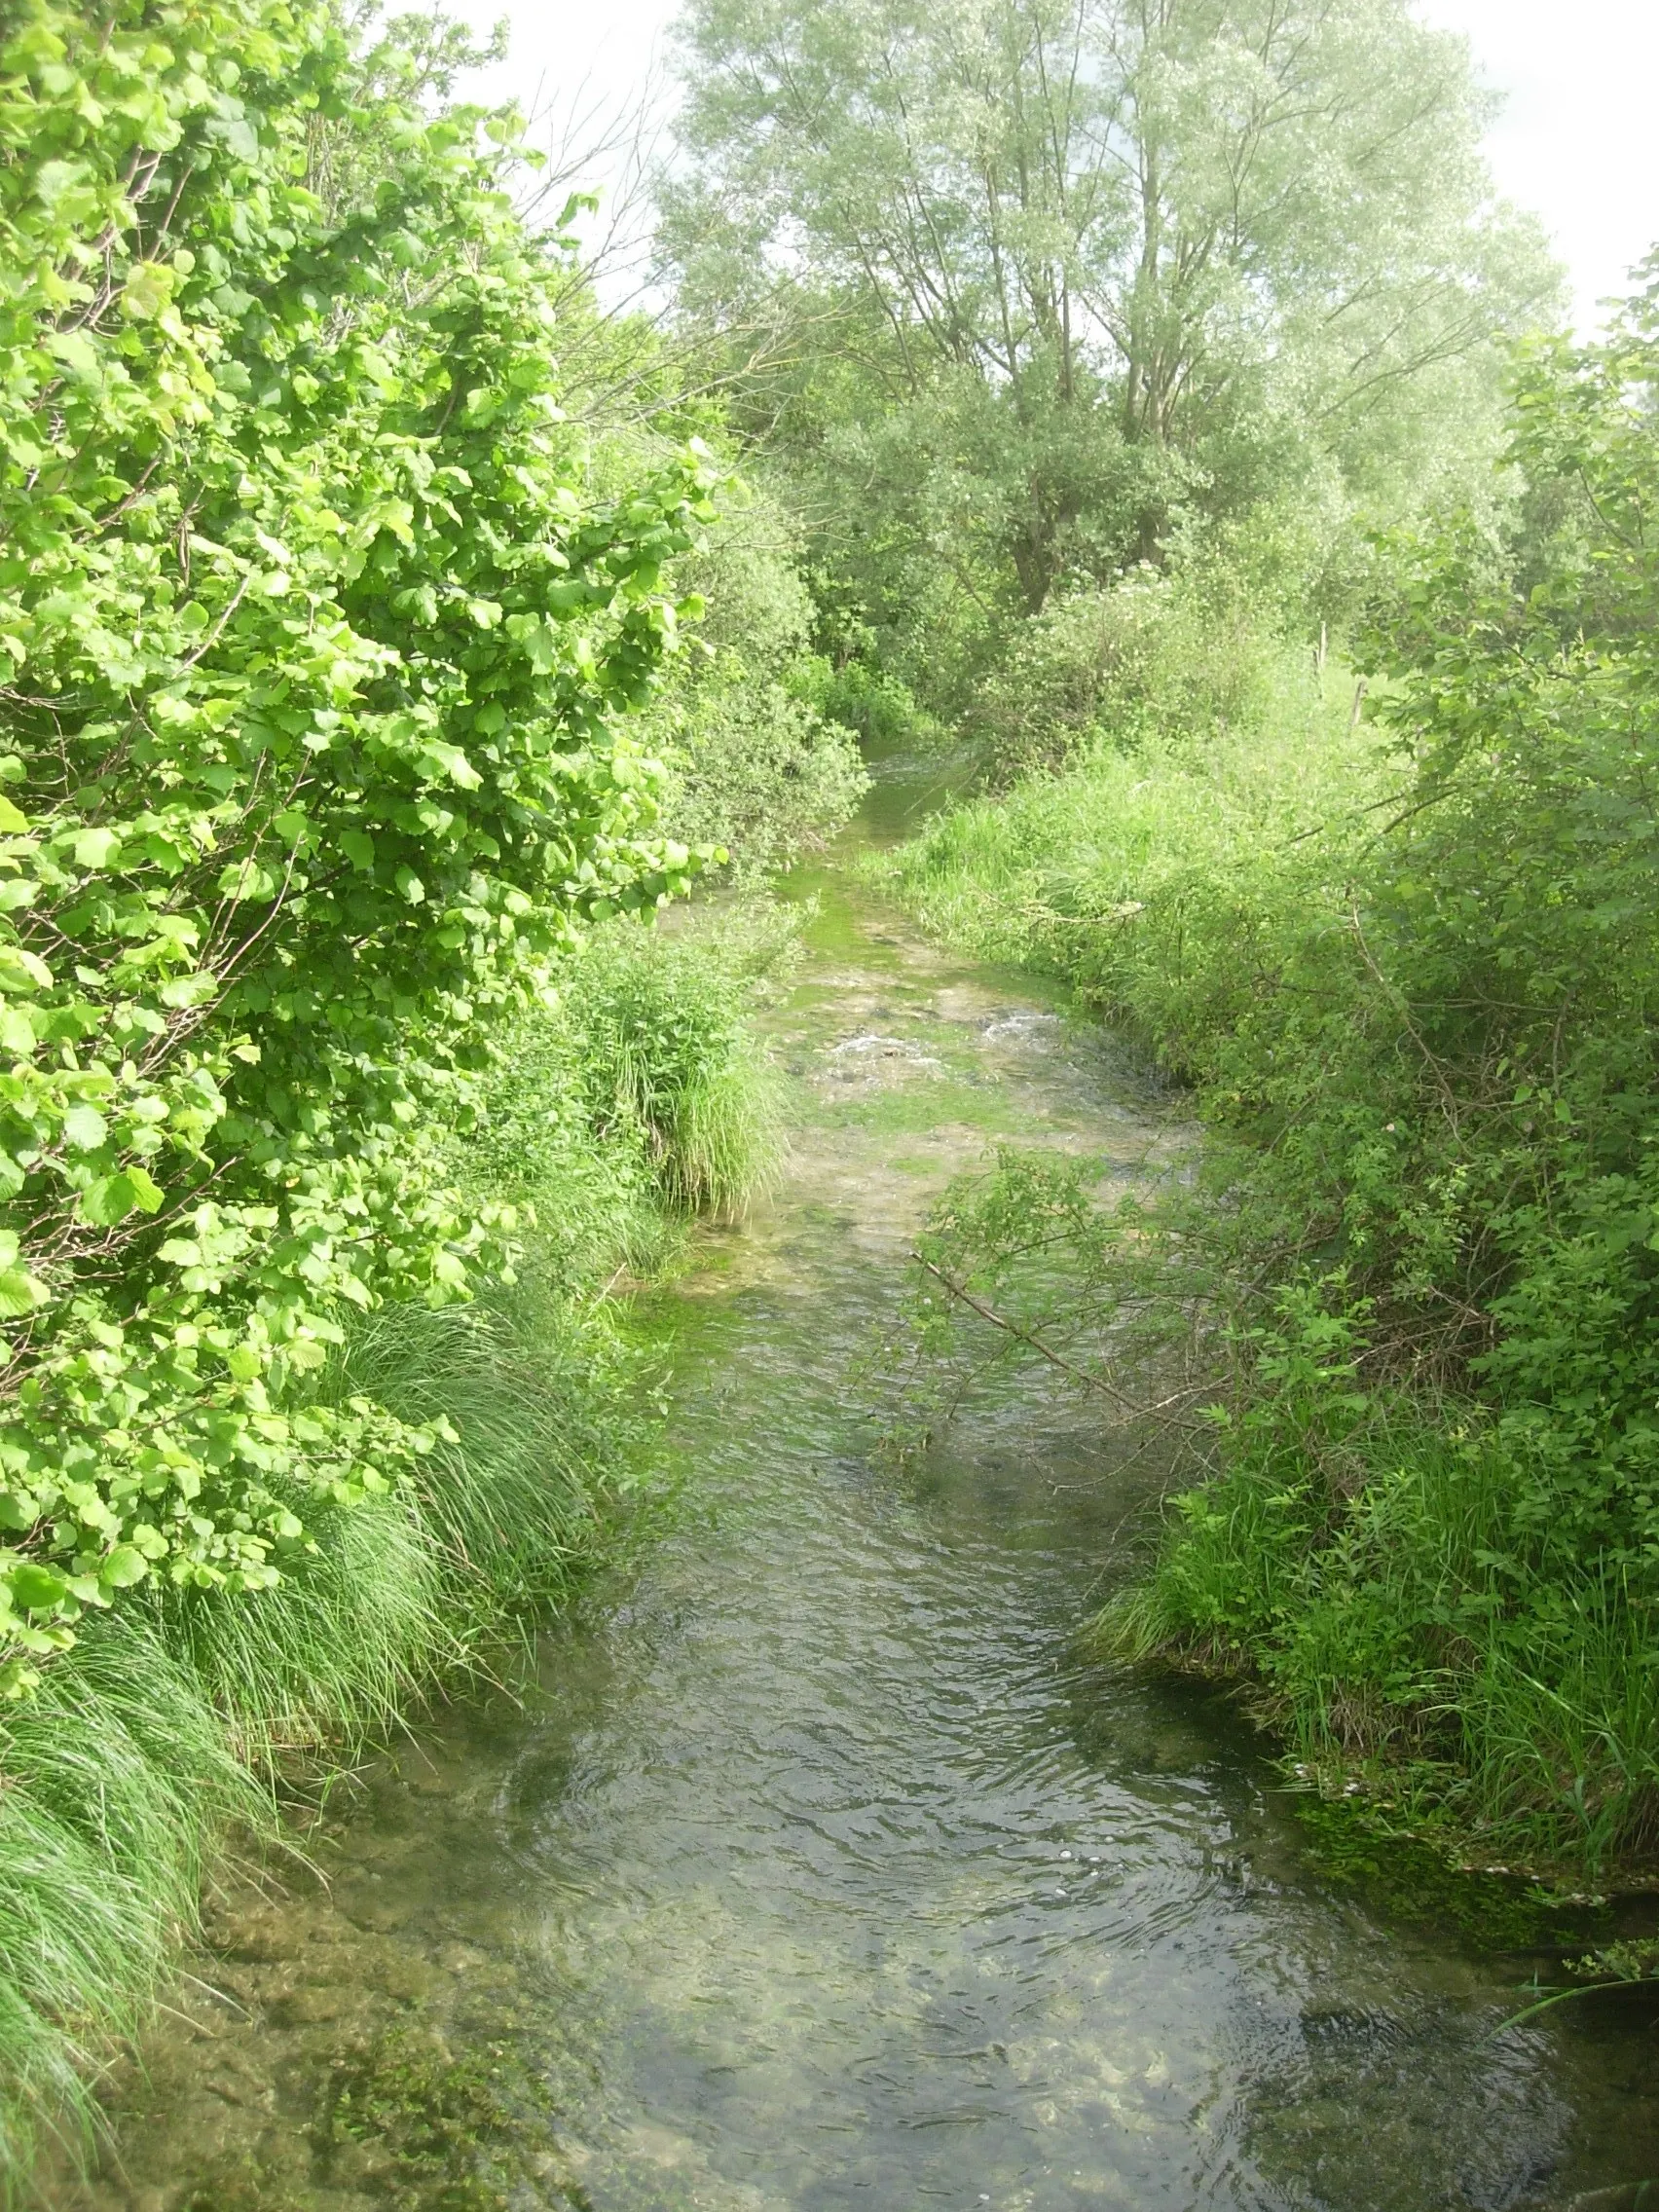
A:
x: 448, y: 2132
x: 411, y: 2124
x: 1405, y: 1878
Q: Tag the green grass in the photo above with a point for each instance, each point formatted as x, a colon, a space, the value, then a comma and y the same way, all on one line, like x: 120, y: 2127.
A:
x: 168, y: 1735
x: 120, y: 1778
x: 1505, y: 1698
x: 1158, y: 883
x: 643, y: 1091
x: 1404, y: 1249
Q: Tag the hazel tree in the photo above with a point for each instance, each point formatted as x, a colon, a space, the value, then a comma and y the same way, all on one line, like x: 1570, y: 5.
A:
x: 315, y: 660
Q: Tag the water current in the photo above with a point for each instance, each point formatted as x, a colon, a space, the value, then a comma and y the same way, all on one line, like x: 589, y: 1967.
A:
x: 814, y: 1868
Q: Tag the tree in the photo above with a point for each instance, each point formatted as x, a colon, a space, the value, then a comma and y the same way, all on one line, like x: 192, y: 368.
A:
x: 1147, y: 256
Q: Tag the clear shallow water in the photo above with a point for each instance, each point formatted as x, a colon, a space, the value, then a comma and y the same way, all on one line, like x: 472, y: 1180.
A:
x: 815, y: 1871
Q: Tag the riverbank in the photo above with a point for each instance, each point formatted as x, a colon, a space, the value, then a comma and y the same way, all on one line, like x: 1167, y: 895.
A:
x: 186, y: 1734
x: 815, y: 1860
x: 1406, y: 1268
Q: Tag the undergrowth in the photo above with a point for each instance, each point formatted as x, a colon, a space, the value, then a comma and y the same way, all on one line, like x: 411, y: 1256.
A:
x: 1404, y: 967
x: 182, y: 1722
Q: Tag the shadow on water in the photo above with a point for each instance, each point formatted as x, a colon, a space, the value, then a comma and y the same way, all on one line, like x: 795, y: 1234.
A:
x: 814, y: 1869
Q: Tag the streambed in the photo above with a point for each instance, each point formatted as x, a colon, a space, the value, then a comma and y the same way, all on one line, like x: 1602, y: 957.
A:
x: 814, y: 1869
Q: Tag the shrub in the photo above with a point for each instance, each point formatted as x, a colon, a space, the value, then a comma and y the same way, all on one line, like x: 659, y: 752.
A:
x: 760, y: 766
x: 1152, y: 656
x: 315, y: 645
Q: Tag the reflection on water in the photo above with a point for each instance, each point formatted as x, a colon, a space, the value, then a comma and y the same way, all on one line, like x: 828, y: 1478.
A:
x: 816, y: 1872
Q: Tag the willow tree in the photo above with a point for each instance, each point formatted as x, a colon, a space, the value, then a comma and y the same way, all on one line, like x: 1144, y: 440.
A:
x: 1158, y: 253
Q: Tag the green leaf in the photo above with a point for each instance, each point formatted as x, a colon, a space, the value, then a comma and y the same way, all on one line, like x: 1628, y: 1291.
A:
x: 37, y: 1589
x: 21, y: 969
x: 246, y: 879
x: 113, y: 1197
x: 21, y: 1293
x: 78, y: 354
x: 453, y: 762
x: 96, y: 848
x: 147, y: 290
x: 84, y: 1127
x: 122, y: 1568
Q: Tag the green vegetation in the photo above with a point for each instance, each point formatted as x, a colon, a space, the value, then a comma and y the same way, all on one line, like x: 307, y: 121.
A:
x: 1127, y: 397
x: 762, y: 760
x: 456, y: 2132
x: 1404, y: 966
x: 345, y: 1080
x: 175, y: 1716
x: 1009, y: 298
x: 1149, y: 379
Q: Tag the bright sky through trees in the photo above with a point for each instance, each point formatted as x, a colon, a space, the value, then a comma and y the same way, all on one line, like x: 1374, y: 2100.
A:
x: 1575, y: 142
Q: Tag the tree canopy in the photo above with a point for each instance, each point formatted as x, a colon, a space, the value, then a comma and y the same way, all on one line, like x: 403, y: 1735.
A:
x: 1108, y: 262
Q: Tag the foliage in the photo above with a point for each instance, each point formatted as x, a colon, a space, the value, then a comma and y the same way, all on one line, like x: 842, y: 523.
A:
x: 315, y: 642
x: 169, y: 1725
x: 668, y: 1066
x: 326, y: 640
x: 1412, y: 977
x: 761, y: 767
x: 1153, y: 658
x: 1017, y: 296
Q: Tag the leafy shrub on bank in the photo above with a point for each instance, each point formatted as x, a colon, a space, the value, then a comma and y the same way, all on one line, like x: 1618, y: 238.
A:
x: 1155, y: 656
x: 762, y: 766
x: 175, y: 1718
x: 1413, y: 983
x: 314, y: 646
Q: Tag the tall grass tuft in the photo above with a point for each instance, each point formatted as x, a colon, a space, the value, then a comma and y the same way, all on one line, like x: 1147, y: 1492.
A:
x: 120, y: 1777
x: 668, y: 1062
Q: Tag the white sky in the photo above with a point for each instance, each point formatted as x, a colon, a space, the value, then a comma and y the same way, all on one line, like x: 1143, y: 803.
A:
x: 1578, y: 140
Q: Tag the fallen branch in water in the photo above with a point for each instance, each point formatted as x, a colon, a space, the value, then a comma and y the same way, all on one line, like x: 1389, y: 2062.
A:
x: 1036, y: 1344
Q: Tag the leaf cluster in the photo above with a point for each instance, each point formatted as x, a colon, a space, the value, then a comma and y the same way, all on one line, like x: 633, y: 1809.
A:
x: 316, y: 648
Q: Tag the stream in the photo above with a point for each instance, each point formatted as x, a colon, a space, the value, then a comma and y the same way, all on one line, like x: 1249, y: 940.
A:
x: 814, y: 1868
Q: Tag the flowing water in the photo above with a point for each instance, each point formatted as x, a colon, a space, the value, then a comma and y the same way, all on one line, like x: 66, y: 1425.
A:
x: 815, y: 1869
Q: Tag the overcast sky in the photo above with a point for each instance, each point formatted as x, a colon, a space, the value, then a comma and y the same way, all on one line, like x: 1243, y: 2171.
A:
x: 1578, y: 140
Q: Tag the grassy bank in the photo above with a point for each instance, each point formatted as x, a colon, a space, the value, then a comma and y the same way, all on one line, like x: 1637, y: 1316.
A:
x: 1404, y: 969
x: 180, y: 1726
x: 1396, y: 1544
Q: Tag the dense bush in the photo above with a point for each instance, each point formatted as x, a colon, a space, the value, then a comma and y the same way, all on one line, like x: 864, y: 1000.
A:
x: 762, y: 766
x: 1412, y: 975
x: 314, y: 642
x: 1156, y: 657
